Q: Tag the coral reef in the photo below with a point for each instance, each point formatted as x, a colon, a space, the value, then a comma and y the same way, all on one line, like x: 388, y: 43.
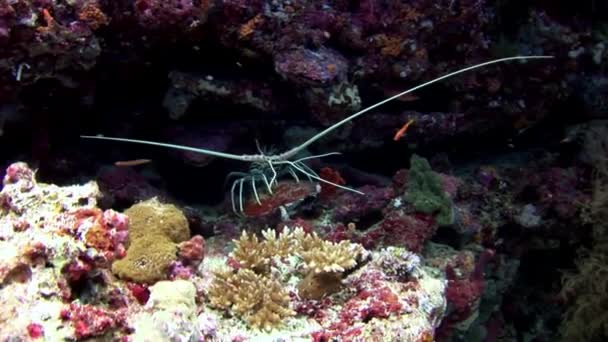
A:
x: 170, y: 313
x: 54, y: 241
x: 248, y: 290
x: 465, y: 245
x: 294, y: 284
x: 261, y: 301
x: 387, y: 270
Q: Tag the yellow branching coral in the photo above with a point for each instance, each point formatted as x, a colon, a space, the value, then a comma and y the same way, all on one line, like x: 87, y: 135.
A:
x: 252, y: 253
x: 261, y: 301
x: 330, y: 257
x: 223, y: 289
x: 252, y: 294
x: 319, y: 255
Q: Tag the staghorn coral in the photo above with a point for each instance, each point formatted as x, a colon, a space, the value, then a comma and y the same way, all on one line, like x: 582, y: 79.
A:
x: 260, y: 300
x: 318, y: 255
x: 330, y: 257
x: 251, y: 292
x: 254, y: 254
x: 326, y: 263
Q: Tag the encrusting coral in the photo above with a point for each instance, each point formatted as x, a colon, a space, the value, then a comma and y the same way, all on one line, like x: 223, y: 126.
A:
x: 155, y: 230
x: 250, y: 291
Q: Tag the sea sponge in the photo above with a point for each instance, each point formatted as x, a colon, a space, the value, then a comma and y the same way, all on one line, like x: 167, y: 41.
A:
x: 154, y: 232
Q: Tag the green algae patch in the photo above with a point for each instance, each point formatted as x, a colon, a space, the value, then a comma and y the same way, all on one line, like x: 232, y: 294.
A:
x: 426, y: 193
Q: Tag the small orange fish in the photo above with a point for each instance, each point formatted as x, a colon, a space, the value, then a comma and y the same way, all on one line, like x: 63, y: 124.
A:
x: 132, y: 162
x: 401, y: 132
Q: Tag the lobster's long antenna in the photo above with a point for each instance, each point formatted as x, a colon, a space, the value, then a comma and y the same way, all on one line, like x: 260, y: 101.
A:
x: 290, y: 153
x: 326, y: 131
x: 176, y: 147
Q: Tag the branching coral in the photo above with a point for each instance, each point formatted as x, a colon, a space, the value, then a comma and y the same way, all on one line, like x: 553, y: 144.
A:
x: 331, y: 257
x: 254, y: 254
x: 319, y: 255
x: 251, y: 292
x: 260, y: 300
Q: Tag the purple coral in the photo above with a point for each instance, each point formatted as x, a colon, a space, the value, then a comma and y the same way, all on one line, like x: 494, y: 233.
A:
x: 163, y: 14
x: 308, y: 67
x: 124, y: 186
x: 351, y: 207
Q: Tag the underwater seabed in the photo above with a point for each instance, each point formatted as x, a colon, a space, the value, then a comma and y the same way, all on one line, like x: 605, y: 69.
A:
x: 61, y: 254
x: 428, y: 257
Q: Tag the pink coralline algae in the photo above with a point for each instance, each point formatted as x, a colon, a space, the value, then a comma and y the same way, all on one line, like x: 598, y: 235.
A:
x: 322, y: 73
x: 141, y: 292
x: 374, y: 297
x: 177, y: 270
x: 187, y: 87
x: 327, y: 190
x: 312, y: 67
x: 48, y: 37
x: 466, y: 284
x: 89, y: 321
x: 61, y: 227
x: 192, y: 251
x: 76, y: 270
x: 182, y: 14
x: 396, y: 228
x: 558, y: 191
x: 353, y: 207
x: 411, y: 231
x: 216, y: 140
x: 106, y: 231
x: 463, y: 295
x: 18, y: 172
x: 35, y: 330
